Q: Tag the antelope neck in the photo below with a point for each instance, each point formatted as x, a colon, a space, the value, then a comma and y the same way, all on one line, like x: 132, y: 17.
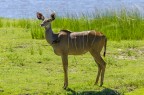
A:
x: 49, y: 35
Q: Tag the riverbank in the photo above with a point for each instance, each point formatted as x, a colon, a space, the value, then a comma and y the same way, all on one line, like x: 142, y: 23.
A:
x: 122, y: 26
x: 29, y: 66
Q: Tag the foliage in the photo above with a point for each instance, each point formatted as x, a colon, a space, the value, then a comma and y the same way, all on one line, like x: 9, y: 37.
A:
x: 125, y: 25
x: 29, y: 66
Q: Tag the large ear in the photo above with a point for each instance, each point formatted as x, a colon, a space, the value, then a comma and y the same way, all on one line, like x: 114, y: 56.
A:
x: 53, y: 16
x: 40, y: 16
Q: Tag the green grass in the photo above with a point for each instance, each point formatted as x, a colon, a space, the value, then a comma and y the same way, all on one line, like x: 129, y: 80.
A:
x: 136, y: 92
x: 125, y: 25
x: 29, y: 66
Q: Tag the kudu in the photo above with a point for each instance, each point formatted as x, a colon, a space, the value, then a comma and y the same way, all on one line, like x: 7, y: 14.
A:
x: 75, y: 43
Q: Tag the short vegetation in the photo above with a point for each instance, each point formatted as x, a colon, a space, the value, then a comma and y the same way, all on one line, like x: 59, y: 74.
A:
x: 28, y: 65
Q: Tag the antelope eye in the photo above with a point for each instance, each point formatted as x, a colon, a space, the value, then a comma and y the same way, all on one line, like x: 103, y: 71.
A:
x: 48, y: 20
x: 45, y: 20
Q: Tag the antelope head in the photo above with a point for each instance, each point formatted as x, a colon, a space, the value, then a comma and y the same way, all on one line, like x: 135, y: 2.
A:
x: 46, y: 21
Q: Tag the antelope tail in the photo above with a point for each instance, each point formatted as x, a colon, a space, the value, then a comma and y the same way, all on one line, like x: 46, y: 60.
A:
x: 105, y: 47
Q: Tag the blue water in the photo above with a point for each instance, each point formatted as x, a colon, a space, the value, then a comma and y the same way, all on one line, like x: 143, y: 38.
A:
x: 28, y: 8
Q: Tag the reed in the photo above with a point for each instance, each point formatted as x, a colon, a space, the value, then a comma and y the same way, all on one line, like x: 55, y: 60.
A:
x: 125, y: 25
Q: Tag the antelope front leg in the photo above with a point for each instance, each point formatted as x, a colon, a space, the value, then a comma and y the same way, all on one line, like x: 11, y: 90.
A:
x: 65, y: 68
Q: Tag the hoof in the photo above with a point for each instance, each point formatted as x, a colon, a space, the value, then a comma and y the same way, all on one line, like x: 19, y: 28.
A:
x: 65, y: 87
x: 101, y: 84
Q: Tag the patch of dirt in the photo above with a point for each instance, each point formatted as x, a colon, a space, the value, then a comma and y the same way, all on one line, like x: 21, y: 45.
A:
x: 126, y: 57
x: 130, y: 53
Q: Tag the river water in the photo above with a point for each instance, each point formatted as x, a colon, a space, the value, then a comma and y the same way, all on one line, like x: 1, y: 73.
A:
x: 28, y: 8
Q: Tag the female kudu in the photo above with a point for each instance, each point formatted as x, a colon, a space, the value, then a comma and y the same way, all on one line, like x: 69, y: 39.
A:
x: 75, y: 43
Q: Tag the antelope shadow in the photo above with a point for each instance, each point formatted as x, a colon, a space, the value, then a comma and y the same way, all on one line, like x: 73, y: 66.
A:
x: 105, y: 91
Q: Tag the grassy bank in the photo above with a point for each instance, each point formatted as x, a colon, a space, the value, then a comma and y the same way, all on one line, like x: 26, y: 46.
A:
x: 29, y: 66
x: 122, y: 26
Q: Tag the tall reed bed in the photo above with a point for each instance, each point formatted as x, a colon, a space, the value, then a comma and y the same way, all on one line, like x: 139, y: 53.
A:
x: 116, y: 26
x: 31, y: 25
x: 125, y: 25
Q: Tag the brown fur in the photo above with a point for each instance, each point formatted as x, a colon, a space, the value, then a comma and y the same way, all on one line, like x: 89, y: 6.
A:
x: 77, y: 43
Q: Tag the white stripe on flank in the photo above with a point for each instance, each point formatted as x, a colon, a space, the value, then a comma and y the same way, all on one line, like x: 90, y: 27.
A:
x: 87, y: 38
x: 75, y: 42
x: 93, y: 39
x: 83, y: 41
x: 68, y: 40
